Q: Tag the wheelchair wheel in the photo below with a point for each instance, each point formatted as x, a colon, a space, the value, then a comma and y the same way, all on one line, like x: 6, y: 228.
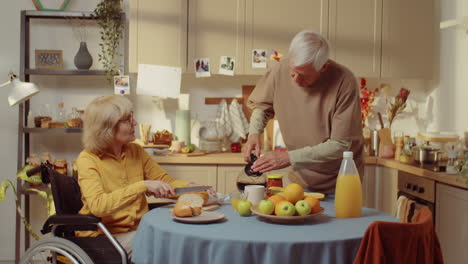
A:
x: 55, y: 250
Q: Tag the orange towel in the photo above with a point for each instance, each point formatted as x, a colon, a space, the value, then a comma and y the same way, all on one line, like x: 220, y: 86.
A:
x: 402, y: 243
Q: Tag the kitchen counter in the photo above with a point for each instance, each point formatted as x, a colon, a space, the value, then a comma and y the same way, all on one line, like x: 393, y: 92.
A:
x: 227, y: 158
x: 238, y: 159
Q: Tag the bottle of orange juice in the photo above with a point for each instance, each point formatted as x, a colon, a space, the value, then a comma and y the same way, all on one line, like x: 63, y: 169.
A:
x: 348, y: 193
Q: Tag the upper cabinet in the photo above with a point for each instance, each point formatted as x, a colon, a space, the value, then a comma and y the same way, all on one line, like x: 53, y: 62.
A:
x: 373, y: 38
x: 158, y: 33
x: 355, y: 35
x: 408, y: 34
x: 215, y: 29
x: 271, y: 24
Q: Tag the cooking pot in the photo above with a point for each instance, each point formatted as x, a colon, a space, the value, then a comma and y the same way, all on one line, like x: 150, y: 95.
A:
x: 426, y: 154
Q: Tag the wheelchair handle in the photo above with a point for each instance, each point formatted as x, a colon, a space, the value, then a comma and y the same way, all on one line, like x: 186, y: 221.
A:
x: 43, y: 169
x: 34, y: 170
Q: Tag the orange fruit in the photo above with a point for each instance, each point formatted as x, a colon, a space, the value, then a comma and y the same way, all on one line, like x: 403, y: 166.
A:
x: 293, y: 193
x: 276, y: 199
x: 314, y: 204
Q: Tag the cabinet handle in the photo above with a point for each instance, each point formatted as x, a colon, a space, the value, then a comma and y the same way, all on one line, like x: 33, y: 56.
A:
x: 421, y: 190
x: 408, y: 186
x: 415, y: 187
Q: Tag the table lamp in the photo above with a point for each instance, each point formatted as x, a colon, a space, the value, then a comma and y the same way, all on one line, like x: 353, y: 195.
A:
x: 21, y: 91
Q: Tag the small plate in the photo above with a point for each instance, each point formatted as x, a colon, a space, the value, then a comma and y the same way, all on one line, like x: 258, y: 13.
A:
x: 203, y: 218
x: 285, y: 219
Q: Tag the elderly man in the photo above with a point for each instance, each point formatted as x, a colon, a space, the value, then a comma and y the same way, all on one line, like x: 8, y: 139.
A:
x: 316, y: 102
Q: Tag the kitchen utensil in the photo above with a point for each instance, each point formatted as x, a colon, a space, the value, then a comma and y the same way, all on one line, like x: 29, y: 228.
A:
x: 254, y: 193
x: 380, y: 120
x: 248, y: 168
x: 193, y: 154
x: 179, y: 191
x: 375, y: 142
x: 204, y: 218
x: 426, y: 154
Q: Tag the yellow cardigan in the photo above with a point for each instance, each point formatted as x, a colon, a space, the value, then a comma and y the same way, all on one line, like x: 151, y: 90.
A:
x: 113, y: 188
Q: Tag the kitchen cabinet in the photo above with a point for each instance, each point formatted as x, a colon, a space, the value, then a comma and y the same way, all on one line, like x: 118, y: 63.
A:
x: 451, y: 222
x: 271, y: 24
x: 215, y: 29
x: 355, y: 35
x: 158, y: 33
x: 380, y: 188
x: 200, y: 174
x: 408, y: 31
x: 227, y: 178
x: 368, y: 186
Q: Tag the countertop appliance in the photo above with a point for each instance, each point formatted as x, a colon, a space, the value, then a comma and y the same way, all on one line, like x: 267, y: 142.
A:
x: 419, y: 189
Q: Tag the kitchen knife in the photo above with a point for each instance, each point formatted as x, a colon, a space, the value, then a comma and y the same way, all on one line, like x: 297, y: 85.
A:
x: 179, y: 191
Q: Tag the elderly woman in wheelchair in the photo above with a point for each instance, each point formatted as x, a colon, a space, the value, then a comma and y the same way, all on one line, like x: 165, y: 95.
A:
x: 113, y: 176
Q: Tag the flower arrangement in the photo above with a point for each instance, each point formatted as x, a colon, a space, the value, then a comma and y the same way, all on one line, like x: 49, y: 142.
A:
x: 367, y: 98
x: 398, y: 105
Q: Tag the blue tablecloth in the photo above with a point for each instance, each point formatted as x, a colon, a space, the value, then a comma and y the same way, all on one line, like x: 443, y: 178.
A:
x: 323, y: 239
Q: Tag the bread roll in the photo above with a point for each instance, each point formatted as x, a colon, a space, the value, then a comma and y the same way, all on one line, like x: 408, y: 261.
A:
x: 196, y: 211
x: 195, y: 199
x: 184, y: 209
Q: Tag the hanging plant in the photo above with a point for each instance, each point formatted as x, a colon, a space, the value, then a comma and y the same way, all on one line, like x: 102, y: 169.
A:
x: 107, y: 14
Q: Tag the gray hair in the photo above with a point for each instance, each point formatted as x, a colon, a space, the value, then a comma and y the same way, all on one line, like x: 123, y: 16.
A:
x: 100, y: 120
x: 309, y: 47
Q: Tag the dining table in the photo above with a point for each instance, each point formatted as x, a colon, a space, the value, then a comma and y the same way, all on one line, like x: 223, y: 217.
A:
x: 252, y: 239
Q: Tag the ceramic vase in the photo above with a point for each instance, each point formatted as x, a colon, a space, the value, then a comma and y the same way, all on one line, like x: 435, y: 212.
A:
x: 83, y: 59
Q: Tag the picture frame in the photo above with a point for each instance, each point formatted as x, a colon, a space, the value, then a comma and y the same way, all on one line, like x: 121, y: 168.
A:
x: 49, y: 59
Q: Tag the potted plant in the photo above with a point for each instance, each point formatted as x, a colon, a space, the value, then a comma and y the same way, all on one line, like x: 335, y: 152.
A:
x: 35, y: 180
x: 107, y: 13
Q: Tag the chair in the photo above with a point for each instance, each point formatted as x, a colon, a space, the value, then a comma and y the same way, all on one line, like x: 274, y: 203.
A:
x: 62, y: 226
x: 412, y: 243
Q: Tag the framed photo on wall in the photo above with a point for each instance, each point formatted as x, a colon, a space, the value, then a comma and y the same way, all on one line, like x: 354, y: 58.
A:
x: 49, y: 59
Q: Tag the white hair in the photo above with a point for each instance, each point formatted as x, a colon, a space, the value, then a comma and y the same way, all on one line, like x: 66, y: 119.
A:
x: 309, y: 47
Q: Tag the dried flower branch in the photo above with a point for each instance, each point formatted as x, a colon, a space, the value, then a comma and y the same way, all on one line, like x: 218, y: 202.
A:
x: 367, y: 98
x: 398, y: 105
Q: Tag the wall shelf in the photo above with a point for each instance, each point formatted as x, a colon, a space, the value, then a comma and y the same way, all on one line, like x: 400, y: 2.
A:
x: 27, y: 17
x: 63, y: 72
x: 31, y: 130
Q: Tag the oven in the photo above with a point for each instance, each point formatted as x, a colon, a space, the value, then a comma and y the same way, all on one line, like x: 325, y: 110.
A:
x: 419, y: 189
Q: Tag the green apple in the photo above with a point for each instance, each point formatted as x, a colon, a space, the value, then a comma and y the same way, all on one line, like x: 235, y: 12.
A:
x: 285, y: 208
x: 303, y: 207
x: 266, y: 207
x: 243, y: 207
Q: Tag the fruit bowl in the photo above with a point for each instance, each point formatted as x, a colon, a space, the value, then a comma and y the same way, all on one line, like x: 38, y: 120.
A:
x: 285, y: 219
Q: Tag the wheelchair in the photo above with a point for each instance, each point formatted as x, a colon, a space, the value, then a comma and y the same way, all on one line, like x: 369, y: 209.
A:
x: 63, y: 246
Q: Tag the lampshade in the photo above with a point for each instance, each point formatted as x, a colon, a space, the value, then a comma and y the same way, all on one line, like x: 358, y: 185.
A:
x: 21, y: 91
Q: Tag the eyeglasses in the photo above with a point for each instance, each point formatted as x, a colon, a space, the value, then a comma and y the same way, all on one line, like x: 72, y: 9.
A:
x: 128, y: 119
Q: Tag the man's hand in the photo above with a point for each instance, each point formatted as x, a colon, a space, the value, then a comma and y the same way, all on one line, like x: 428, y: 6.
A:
x: 271, y: 161
x: 253, y: 143
x: 159, y: 189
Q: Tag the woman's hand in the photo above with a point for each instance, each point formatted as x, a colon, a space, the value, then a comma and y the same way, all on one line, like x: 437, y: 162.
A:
x: 211, y: 192
x: 253, y: 143
x: 159, y: 189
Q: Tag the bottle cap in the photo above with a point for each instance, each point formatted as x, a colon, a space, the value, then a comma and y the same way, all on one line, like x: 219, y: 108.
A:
x: 347, y: 154
x: 275, y: 176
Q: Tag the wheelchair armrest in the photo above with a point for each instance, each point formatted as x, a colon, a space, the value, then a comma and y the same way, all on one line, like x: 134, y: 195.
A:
x: 73, y: 219
x: 75, y: 222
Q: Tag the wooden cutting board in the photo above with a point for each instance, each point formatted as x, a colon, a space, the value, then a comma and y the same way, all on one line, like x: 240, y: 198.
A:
x: 193, y: 154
